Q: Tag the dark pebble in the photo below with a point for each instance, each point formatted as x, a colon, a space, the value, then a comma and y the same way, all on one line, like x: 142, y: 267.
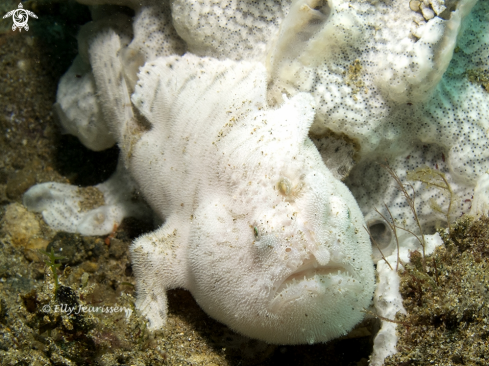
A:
x: 19, y: 182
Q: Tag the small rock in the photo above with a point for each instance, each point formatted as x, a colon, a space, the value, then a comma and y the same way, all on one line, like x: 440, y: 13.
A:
x: 75, y: 275
x: 20, y: 284
x: 95, y: 247
x: 414, y: 5
x: 438, y: 7
x: 117, y: 248
x: 19, y: 182
x: 90, y: 267
x: 24, y: 65
x: 31, y: 252
x: 84, y: 279
x: 427, y: 12
x: 69, y: 246
x: 21, y: 224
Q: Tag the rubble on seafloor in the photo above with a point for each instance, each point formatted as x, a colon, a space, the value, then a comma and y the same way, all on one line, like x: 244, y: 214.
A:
x: 447, y: 321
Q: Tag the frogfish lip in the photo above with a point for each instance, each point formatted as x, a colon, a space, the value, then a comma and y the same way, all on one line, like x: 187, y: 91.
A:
x: 311, y: 279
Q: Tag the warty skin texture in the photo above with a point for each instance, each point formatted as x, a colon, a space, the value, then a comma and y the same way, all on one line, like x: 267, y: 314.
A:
x: 257, y: 228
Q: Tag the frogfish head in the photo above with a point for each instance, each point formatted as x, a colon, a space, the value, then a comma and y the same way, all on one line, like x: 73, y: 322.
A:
x: 282, y: 255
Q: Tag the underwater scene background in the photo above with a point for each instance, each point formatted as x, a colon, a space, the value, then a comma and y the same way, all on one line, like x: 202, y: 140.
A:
x: 404, y: 143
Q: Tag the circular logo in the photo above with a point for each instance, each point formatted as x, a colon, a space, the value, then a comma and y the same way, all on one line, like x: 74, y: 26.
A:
x: 20, y: 17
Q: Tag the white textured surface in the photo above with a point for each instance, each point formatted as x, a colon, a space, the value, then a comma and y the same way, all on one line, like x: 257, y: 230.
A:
x: 77, y: 99
x: 260, y: 232
x: 397, y: 97
x: 78, y: 109
x: 381, y: 188
x: 480, y: 200
x: 229, y: 29
x: 62, y: 209
x: 154, y: 34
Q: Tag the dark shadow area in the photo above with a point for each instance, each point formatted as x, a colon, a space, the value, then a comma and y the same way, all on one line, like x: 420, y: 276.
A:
x: 132, y: 228
x: 84, y: 167
x: 244, y: 351
x: 56, y: 28
x: 342, y: 352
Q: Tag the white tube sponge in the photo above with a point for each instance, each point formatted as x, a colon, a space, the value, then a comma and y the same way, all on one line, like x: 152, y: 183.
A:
x: 414, y: 69
x: 73, y: 209
x: 238, y: 30
x: 78, y: 109
x: 311, y: 37
x: 480, y: 202
x: 77, y: 102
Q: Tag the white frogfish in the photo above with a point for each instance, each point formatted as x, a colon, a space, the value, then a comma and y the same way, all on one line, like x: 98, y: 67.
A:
x: 254, y: 224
